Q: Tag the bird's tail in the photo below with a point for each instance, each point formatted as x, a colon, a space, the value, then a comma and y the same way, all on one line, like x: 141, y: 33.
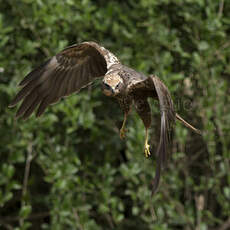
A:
x: 178, y: 117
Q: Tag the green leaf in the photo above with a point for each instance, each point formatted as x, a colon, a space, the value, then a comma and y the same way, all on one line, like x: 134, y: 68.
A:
x: 25, y: 211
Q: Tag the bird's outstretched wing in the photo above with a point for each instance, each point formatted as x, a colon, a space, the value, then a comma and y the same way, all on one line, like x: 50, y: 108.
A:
x: 153, y: 87
x: 167, y: 120
x: 65, y: 73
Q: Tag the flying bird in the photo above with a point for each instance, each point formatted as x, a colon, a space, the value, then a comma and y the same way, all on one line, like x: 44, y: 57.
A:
x: 80, y: 64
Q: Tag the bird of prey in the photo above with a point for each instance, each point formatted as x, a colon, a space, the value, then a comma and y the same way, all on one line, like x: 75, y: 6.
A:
x: 76, y: 67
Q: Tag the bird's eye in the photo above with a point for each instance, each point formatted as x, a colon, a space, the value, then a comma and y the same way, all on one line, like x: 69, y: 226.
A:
x: 118, y: 85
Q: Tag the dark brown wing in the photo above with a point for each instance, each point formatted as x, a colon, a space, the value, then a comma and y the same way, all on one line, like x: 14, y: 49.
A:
x: 67, y: 72
x: 154, y: 87
x: 167, y: 120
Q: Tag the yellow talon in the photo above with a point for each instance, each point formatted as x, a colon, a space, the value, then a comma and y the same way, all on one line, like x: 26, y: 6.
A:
x: 147, y: 146
x: 147, y: 151
x: 122, y: 133
x: 123, y: 130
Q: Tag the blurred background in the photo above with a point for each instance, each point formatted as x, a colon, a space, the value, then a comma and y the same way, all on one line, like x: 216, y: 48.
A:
x: 69, y: 169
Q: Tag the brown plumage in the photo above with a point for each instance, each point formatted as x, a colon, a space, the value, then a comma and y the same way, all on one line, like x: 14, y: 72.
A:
x: 77, y: 66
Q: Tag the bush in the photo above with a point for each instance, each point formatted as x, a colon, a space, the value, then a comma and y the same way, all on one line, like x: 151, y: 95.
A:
x: 69, y: 169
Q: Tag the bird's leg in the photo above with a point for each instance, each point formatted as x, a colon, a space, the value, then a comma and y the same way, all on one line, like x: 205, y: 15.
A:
x: 147, y: 146
x: 126, y: 105
x: 123, y: 130
x: 144, y: 111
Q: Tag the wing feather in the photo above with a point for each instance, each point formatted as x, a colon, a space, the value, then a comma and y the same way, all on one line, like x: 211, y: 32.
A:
x: 34, y: 74
x: 26, y: 103
x: 167, y: 120
x: 44, y: 103
x: 153, y: 87
x: 30, y: 109
x: 141, y: 86
x: 71, y: 86
x: 23, y: 93
x: 67, y: 72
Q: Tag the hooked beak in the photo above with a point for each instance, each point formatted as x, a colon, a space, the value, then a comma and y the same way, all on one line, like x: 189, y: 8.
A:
x: 107, y: 90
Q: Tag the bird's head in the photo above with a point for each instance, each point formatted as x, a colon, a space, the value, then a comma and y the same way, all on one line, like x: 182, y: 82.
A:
x: 113, y: 85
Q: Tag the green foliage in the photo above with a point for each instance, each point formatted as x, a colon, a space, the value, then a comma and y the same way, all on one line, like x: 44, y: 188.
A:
x: 69, y: 169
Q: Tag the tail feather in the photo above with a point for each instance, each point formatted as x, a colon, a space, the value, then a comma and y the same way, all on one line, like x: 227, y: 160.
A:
x: 187, y: 124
